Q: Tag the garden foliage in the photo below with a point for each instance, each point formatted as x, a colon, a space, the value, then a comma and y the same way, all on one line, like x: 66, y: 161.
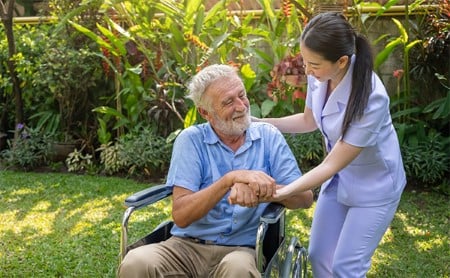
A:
x: 113, y: 75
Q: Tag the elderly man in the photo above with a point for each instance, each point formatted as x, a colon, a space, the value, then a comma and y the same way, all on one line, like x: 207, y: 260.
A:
x: 222, y: 174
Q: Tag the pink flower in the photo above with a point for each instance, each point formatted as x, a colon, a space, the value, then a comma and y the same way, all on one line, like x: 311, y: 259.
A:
x: 398, y: 73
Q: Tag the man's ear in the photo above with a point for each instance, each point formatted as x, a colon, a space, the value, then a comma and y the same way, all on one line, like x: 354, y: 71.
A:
x: 203, y: 113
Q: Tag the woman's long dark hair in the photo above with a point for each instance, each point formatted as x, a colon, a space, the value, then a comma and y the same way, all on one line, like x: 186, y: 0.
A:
x: 331, y: 36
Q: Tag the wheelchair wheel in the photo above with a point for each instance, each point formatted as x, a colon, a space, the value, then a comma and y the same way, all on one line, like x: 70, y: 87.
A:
x: 295, y: 260
x: 301, y: 262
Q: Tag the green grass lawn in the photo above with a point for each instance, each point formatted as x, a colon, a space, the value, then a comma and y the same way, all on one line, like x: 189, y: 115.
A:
x: 63, y: 225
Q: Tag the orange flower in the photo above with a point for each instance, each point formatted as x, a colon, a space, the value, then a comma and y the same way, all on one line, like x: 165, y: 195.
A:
x: 287, y: 8
x: 196, y: 41
x: 234, y: 64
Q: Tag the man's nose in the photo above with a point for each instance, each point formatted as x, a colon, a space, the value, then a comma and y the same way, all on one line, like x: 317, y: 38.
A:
x: 241, y: 105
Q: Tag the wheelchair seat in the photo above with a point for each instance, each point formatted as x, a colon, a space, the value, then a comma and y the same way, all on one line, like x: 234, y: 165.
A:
x: 275, y: 256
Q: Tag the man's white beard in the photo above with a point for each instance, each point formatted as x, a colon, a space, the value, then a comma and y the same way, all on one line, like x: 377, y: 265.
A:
x: 234, y: 128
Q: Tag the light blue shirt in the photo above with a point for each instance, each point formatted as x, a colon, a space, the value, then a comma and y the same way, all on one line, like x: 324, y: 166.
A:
x: 199, y: 159
x: 376, y: 176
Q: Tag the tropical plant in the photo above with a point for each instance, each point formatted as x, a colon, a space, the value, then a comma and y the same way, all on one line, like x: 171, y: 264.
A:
x: 278, y: 44
x: 195, y: 37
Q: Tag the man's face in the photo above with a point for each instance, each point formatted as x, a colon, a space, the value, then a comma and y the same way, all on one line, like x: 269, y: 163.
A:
x: 229, y: 113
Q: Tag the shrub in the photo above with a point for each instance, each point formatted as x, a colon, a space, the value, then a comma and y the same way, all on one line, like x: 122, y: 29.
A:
x: 146, y: 152
x: 427, y: 161
x: 29, y: 151
x: 139, y: 152
x: 77, y: 161
x: 307, y: 149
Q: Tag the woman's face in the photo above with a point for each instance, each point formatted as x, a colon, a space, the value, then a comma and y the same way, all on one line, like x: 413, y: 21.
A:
x: 321, y: 69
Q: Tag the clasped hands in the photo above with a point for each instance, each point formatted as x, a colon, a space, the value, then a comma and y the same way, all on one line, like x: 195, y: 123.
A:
x: 251, y: 188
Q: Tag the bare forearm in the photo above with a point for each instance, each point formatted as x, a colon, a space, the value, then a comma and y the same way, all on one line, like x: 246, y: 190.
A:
x: 189, y: 207
x: 339, y: 157
x: 301, y: 200
x: 297, y: 123
x: 295, y: 201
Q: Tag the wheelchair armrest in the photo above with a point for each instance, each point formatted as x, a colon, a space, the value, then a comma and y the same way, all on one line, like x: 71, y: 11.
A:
x: 272, y: 213
x: 148, y: 196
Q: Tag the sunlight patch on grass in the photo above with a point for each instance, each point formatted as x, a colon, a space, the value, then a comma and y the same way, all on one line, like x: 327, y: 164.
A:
x: 16, y: 195
x: 36, y: 223
x: 429, y: 244
x: 89, y: 215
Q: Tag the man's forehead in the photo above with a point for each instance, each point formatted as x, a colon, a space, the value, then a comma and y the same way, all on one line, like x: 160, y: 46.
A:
x: 223, y: 85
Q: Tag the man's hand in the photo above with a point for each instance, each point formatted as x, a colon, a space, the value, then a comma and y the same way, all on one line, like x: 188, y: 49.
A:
x: 262, y: 184
x: 241, y: 194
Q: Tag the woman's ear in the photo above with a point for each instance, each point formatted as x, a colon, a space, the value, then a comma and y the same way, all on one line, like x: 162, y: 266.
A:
x: 343, y: 61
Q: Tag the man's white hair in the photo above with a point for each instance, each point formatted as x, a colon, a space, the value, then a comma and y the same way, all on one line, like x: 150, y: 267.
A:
x: 200, y: 82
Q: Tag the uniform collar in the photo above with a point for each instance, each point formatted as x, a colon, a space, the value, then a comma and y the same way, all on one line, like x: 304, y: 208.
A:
x: 339, y: 98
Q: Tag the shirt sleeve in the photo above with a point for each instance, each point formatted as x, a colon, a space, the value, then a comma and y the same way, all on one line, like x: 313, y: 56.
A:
x: 283, y: 165
x: 185, y: 164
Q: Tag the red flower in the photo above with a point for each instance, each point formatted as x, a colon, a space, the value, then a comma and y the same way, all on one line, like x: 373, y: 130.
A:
x: 298, y: 94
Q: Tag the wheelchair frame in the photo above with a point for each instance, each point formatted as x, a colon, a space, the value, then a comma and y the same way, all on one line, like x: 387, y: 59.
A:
x: 284, y: 259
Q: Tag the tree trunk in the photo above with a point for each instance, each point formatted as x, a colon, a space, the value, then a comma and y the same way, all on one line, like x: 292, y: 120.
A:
x: 7, y: 20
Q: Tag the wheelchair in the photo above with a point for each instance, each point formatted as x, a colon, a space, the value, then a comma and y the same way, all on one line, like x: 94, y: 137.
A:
x: 275, y: 255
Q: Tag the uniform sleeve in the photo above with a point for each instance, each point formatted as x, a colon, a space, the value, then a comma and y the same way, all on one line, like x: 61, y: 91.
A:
x: 364, y: 132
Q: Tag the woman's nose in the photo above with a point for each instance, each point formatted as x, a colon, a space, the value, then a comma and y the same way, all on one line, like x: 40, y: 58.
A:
x: 307, y: 69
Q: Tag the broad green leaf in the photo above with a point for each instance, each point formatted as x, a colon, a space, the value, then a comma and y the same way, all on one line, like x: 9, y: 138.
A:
x: 199, y: 19
x: 267, y: 107
x: 191, y: 117
x: 402, y: 30
x: 118, y: 44
x: 411, y: 45
x: 97, y: 39
x: 384, y: 54
x: 172, y: 136
x: 267, y: 7
x: 386, y: 6
x: 255, y: 110
x: 248, y: 75
x: 191, y: 10
x: 109, y: 111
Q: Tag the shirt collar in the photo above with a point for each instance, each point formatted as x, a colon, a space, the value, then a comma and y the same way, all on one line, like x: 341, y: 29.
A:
x: 252, y: 134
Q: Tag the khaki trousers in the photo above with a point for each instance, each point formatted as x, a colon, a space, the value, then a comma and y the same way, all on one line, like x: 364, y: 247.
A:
x: 178, y: 257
